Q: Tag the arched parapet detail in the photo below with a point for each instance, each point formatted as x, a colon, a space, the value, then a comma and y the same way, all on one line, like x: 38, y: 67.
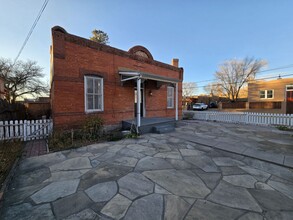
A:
x: 141, y: 51
x: 59, y: 29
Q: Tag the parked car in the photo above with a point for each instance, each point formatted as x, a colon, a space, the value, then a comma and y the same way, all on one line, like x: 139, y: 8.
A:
x: 199, y: 106
x: 213, y: 105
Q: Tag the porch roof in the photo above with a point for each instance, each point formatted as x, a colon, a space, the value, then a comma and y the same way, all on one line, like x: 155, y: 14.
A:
x: 129, y: 75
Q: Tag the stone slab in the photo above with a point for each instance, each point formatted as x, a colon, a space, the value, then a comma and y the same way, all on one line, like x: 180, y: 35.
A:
x: 142, y: 149
x: 123, y: 161
x: 246, y: 181
x: 210, y: 179
x: 146, y: 208
x: 134, y: 185
x: 288, y: 161
x: 280, y: 215
x: 227, y: 161
x: 256, y: 173
x: 179, y: 164
x: 169, y: 155
x: 71, y: 204
x: 102, y: 192
x: 66, y: 175
x: 55, y: 191
x: 130, y: 153
x: 103, y: 173
x: 44, y: 160
x: 251, y: 216
x: 231, y: 170
x: 190, y: 152
x: 85, y: 214
x: 234, y: 197
x: 267, y: 156
x: 206, y: 210
x: 76, y: 163
x: 175, y: 207
x: 264, y: 186
x: 203, y: 162
x: 33, y: 177
x: 26, y: 211
x: 286, y: 189
x: 152, y: 163
x: 173, y: 181
x: 274, y: 169
x: 161, y: 190
x: 272, y: 200
x: 116, y: 208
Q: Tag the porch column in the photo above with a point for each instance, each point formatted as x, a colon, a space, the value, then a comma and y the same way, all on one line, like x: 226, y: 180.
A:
x: 176, y: 103
x: 138, y: 93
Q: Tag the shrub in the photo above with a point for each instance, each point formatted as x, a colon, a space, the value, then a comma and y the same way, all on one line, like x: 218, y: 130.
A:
x: 92, y: 128
x: 90, y: 131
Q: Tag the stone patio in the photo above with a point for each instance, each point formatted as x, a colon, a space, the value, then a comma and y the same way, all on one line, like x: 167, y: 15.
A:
x: 157, y: 176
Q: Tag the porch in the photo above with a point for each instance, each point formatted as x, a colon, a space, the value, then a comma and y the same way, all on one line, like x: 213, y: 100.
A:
x: 151, y: 125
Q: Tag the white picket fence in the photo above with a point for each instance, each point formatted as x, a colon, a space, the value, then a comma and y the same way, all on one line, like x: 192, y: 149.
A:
x: 25, y: 130
x: 246, y: 117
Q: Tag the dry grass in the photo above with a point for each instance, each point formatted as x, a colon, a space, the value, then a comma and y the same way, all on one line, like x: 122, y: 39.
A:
x: 9, y: 151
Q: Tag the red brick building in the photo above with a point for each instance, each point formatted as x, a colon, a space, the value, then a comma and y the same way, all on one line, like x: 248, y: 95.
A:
x: 88, y: 78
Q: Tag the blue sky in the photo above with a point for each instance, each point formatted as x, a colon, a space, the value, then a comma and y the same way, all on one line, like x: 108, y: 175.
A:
x: 201, y: 33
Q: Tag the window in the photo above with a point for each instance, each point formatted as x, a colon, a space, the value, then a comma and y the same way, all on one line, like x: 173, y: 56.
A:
x: 266, y: 94
x: 93, y: 87
x: 262, y: 94
x: 170, y: 97
x: 289, y: 88
x: 270, y: 94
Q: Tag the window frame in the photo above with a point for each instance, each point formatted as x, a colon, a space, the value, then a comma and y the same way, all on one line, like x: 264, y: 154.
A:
x: 170, y: 97
x: 289, y: 88
x: 94, y: 94
x: 266, y: 94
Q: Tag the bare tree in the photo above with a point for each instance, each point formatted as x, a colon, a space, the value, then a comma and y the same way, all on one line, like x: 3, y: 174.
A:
x: 233, y: 74
x: 213, y: 89
x: 22, y: 78
x: 100, y: 37
x: 189, y: 89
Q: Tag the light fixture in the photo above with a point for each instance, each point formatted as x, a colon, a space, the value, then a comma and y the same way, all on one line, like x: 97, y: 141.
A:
x: 150, y: 93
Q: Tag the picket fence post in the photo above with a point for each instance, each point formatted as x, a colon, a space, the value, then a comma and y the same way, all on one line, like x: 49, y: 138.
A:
x: 24, y: 130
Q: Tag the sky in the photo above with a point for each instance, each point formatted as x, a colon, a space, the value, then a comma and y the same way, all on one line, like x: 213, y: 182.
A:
x: 202, y: 34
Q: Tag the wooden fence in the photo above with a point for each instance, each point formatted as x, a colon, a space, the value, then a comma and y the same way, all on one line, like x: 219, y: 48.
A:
x: 234, y: 105
x: 265, y: 105
x: 246, y: 117
x: 25, y: 130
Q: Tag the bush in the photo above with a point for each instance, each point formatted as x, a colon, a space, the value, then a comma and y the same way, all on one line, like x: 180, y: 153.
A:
x: 284, y: 128
x: 91, y: 131
x: 92, y: 128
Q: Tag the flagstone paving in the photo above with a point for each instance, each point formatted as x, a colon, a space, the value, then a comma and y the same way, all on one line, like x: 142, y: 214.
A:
x: 156, y: 176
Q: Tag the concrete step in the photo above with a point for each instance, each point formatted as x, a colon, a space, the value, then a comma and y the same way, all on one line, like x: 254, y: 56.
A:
x: 161, y: 129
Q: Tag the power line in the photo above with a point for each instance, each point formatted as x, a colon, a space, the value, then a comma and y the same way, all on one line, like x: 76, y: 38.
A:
x: 271, y: 77
x: 31, y: 30
x: 277, y: 68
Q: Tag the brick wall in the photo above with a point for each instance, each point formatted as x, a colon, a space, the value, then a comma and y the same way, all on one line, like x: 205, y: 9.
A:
x: 73, y: 57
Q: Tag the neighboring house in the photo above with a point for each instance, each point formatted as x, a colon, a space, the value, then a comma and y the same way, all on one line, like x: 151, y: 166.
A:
x: 2, y: 89
x: 274, y: 96
x: 38, y: 108
x: 88, y: 78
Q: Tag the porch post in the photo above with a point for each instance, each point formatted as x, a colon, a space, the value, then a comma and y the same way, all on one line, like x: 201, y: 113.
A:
x: 176, y: 108
x: 138, y: 82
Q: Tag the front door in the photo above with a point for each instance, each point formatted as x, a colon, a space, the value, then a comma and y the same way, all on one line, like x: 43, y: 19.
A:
x: 141, y: 102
